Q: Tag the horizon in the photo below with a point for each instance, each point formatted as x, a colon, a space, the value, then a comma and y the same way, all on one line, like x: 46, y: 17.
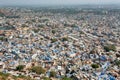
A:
x: 57, y: 2
x: 66, y: 5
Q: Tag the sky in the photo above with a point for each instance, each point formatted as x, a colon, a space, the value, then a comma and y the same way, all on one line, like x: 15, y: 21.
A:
x: 56, y: 2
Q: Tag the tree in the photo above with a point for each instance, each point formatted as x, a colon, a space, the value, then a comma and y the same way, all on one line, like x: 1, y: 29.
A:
x: 20, y: 67
x: 81, y: 32
x: 4, y: 76
x: 46, y: 78
x: 33, y: 20
x: 40, y: 26
x: 36, y: 30
x: 24, y: 25
x: 52, y: 74
x: 73, y: 25
x: 3, y: 39
x: 66, y: 78
x: 65, y: 39
x: 53, y: 31
x: 117, y: 62
x: 110, y: 47
x: 53, y: 40
x: 38, y: 70
x: 95, y: 66
x: 2, y: 14
x: 93, y: 51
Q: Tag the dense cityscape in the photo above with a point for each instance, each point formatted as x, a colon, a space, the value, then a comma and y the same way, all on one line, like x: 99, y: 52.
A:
x: 59, y: 43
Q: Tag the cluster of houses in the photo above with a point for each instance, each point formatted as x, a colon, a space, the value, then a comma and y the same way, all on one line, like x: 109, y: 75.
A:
x: 68, y: 44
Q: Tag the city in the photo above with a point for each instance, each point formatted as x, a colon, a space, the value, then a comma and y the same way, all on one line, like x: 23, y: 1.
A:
x: 62, y: 43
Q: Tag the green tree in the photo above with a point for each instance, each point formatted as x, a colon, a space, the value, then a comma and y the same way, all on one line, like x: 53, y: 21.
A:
x: 40, y: 26
x: 53, y: 40
x: 110, y: 47
x: 52, y: 74
x: 20, y: 67
x: 74, y: 25
x: 95, y: 66
x: 53, y: 31
x: 4, y: 76
x: 33, y: 20
x: 81, y: 32
x: 46, y: 78
x: 3, y: 38
x: 24, y: 25
x: 2, y: 14
x: 66, y: 78
x: 38, y: 70
x: 36, y: 30
x: 65, y: 39
x: 117, y: 62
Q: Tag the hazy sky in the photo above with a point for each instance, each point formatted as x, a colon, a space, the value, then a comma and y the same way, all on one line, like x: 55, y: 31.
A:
x: 51, y: 2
